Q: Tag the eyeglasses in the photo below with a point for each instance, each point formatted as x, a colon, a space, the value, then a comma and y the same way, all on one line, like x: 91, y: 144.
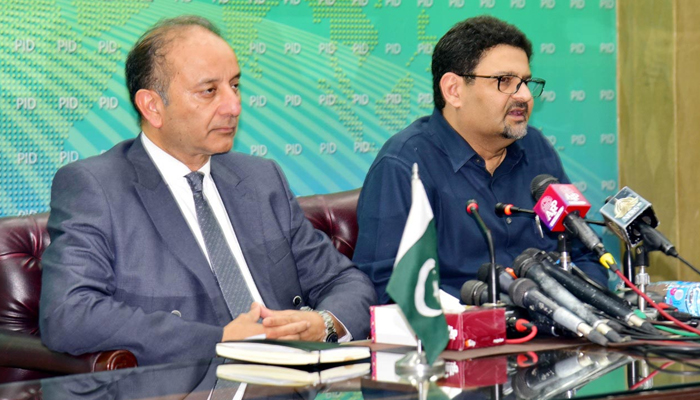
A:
x: 510, y: 84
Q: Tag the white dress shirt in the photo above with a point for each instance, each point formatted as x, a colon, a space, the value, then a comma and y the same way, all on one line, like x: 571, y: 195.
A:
x: 173, y: 172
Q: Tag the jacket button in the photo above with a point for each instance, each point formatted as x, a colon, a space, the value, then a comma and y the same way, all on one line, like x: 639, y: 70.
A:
x: 296, y: 301
x: 176, y: 313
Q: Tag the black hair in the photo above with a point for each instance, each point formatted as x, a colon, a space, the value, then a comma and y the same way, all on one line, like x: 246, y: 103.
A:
x: 145, y: 65
x: 463, y: 46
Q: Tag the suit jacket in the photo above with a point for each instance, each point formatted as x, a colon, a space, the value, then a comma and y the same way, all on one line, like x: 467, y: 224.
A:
x: 122, y: 258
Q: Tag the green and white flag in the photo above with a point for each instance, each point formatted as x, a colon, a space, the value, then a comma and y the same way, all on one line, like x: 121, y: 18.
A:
x: 415, y: 282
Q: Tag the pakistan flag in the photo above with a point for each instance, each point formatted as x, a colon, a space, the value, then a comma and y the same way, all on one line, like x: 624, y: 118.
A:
x: 415, y: 282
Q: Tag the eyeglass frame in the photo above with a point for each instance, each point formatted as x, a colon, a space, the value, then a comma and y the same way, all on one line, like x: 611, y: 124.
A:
x: 517, y: 87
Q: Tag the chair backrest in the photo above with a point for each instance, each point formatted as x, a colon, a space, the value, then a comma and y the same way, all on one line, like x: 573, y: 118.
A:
x: 335, y: 214
x: 23, y: 240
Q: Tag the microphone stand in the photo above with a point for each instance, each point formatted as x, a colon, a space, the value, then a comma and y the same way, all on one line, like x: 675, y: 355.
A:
x: 641, y: 260
x: 473, y: 209
x: 564, y: 253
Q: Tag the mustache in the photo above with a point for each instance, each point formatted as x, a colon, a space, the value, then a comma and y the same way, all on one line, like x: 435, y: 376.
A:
x: 519, y: 104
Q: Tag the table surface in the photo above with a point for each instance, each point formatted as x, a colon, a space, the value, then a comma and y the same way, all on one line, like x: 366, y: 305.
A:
x: 569, y: 372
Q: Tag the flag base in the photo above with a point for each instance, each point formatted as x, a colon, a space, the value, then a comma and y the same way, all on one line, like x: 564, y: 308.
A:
x: 413, y: 367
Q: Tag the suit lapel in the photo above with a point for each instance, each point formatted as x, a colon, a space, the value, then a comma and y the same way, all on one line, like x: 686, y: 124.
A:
x: 241, y: 201
x: 170, y: 223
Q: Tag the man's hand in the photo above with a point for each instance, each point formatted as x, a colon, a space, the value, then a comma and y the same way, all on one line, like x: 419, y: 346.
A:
x: 246, y: 325
x: 316, y: 331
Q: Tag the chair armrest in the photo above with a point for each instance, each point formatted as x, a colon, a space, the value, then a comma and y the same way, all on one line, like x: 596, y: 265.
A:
x: 110, y: 360
x: 20, y: 350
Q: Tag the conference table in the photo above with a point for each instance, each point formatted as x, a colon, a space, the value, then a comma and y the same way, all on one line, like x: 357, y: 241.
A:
x: 544, y: 370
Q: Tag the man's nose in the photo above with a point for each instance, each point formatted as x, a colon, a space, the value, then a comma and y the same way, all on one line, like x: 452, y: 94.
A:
x: 523, y: 94
x: 230, y: 102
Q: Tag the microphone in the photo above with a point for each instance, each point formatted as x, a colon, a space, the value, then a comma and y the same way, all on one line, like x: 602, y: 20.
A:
x: 526, y: 265
x: 504, y: 278
x: 524, y: 293
x: 475, y: 293
x: 508, y: 209
x: 611, y: 305
x: 473, y: 209
x: 562, y: 207
x: 632, y: 219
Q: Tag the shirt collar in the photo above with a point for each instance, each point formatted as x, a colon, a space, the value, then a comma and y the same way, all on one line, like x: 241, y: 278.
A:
x: 454, y: 145
x: 171, y: 169
x: 458, y: 150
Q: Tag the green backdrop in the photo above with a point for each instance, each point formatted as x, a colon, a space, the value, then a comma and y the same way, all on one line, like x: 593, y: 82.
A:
x: 325, y: 82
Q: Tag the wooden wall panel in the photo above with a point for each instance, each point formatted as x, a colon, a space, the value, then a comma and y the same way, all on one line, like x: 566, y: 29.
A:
x: 647, y: 108
x: 688, y: 133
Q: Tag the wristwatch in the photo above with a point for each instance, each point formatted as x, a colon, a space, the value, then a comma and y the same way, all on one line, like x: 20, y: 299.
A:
x: 331, y: 334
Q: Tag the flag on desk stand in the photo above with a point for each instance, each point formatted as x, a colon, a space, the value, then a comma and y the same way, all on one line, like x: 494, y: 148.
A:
x: 415, y: 282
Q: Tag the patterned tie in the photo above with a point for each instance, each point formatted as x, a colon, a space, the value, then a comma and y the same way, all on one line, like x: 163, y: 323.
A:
x: 226, y: 269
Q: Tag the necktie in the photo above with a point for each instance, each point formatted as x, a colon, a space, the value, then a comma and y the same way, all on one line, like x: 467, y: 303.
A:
x: 224, y: 265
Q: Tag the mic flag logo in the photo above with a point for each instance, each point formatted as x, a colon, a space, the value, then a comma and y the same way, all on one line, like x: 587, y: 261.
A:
x: 624, y: 211
x: 551, y: 210
x: 415, y: 281
x: 624, y: 206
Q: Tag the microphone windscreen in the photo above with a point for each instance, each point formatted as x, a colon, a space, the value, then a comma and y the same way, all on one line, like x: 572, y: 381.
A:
x: 470, y: 293
x: 518, y: 289
x: 483, y: 273
x: 540, y: 183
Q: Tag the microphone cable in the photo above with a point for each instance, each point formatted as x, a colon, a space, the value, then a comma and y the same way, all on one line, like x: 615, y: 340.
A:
x: 653, y: 304
x: 522, y: 325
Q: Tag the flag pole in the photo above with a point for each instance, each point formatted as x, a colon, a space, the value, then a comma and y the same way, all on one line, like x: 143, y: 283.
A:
x: 414, y: 366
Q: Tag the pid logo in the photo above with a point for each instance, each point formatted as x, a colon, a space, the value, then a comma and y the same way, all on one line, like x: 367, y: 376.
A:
x: 578, y: 140
x: 548, y: 96
x: 581, y: 186
x: 577, y: 48
x: 578, y: 95
x: 608, y: 186
x: 548, y: 48
x: 607, y: 138
x: 607, y: 95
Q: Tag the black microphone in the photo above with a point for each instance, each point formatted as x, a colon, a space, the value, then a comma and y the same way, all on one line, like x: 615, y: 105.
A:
x: 524, y: 293
x: 572, y: 202
x: 473, y: 209
x: 475, y: 293
x: 509, y: 209
x: 655, y: 240
x: 526, y: 265
x: 611, y: 305
x: 504, y: 278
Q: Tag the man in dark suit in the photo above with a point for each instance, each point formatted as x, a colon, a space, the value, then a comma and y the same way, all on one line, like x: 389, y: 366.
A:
x: 169, y: 243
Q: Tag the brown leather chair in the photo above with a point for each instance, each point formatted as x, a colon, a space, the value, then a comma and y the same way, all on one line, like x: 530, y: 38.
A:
x: 22, y: 355
x: 22, y: 242
x: 336, y: 215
